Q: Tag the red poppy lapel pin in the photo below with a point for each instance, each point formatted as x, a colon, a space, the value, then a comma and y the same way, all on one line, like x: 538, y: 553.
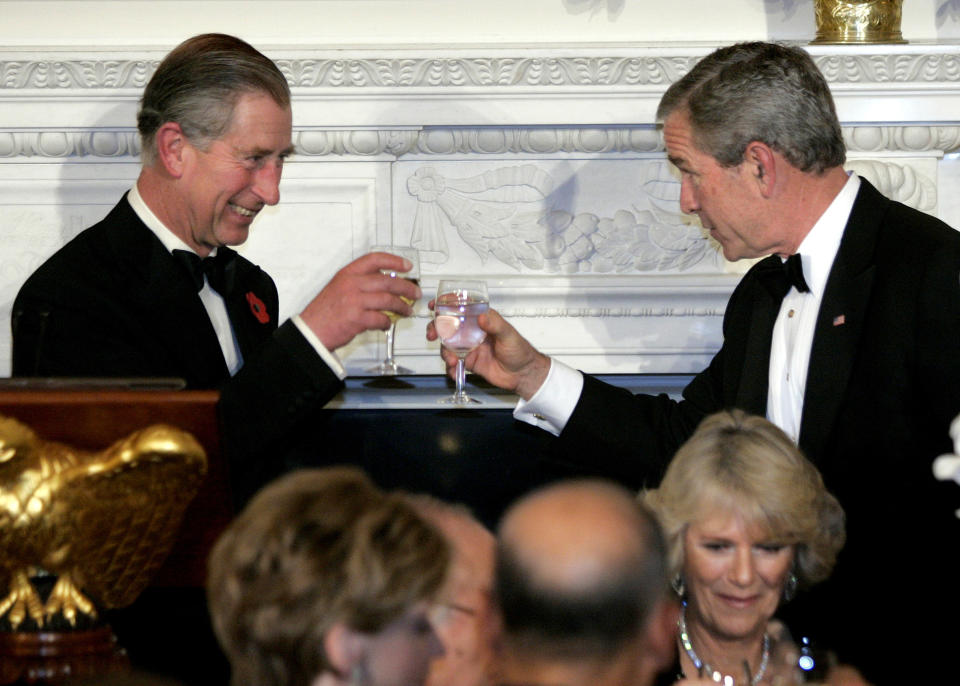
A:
x: 257, y: 307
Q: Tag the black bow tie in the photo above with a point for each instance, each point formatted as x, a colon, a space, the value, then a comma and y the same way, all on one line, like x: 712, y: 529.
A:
x: 779, y: 275
x: 218, y: 269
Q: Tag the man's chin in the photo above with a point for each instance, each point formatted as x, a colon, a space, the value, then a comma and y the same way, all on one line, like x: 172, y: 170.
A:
x: 234, y: 235
x: 735, y: 252
x: 725, y: 249
x: 728, y: 254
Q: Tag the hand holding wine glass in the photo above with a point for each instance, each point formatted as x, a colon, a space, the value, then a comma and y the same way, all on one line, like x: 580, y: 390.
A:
x: 389, y: 366
x: 354, y: 300
x: 505, y: 358
x: 458, y: 304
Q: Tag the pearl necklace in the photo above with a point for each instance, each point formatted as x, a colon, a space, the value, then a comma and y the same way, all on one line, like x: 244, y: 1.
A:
x: 704, y: 667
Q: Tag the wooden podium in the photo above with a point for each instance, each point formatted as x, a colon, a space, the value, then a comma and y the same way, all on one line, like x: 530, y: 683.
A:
x: 92, y: 418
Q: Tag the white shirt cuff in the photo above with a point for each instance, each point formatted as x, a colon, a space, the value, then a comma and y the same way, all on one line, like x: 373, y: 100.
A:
x: 327, y: 356
x: 553, y: 403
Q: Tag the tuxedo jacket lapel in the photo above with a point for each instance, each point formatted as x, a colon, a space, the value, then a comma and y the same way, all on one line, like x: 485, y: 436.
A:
x: 754, y: 377
x: 252, y: 307
x: 840, y: 320
x: 167, y: 299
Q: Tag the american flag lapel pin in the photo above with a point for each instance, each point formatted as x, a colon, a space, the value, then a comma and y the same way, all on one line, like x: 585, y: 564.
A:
x: 839, y: 320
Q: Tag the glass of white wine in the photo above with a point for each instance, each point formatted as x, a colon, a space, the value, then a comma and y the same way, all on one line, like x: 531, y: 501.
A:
x: 389, y: 366
x: 456, y: 309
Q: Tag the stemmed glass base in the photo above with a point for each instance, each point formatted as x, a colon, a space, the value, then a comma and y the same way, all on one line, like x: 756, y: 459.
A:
x: 389, y: 366
x: 456, y: 310
x: 461, y: 400
x: 459, y: 396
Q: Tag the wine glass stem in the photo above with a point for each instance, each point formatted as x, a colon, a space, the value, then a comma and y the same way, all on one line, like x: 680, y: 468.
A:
x: 461, y: 378
x: 389, y: 359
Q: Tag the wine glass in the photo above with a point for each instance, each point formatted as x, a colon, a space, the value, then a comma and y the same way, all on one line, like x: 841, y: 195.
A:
x: 458, y: 305
x: 389, y: 366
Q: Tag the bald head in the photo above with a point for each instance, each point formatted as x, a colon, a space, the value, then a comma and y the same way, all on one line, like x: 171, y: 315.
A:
x: 580, y: 567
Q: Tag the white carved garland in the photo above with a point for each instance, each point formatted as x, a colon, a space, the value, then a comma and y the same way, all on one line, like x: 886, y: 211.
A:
x: 477, y: 191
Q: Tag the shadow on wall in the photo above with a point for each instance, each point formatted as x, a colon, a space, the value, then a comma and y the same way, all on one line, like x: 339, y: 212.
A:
x: 948, y: 19
x: 594, y: 7
x: 89, y: 174
x: 790, y: 20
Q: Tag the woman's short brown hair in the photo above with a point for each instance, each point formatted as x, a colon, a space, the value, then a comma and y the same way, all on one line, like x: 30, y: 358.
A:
x: 742, y: 463
x: 314, y: 548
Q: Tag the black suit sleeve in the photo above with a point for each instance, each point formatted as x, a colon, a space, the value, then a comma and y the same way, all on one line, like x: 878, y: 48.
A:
x: 937, y: 340
x: 632, y: 438
x: 267, y: 404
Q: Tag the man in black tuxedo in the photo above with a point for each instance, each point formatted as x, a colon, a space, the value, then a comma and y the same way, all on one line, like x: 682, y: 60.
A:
x: 859, y: 361
x: 131, y: 297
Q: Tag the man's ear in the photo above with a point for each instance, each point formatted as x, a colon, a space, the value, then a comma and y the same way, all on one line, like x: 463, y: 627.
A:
x: 344, y: 648
x: 171, y: 144
x: 762, y: 166
x: 661, y: 638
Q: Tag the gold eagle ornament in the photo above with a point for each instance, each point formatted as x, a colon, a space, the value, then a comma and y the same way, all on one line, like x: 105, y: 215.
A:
x: 100, y: 522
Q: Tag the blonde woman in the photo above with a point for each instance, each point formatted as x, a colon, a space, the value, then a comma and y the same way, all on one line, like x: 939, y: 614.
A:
x: 747, y: 521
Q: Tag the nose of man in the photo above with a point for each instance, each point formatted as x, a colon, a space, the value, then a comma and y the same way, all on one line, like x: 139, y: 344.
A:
x: 688, y: 198
x: 266, y: 183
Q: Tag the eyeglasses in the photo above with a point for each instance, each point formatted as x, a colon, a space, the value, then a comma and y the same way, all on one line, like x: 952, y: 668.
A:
x: 442, y: 613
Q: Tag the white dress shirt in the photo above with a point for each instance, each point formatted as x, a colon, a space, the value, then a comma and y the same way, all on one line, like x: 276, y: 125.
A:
x: 213, y: 302
x: 797, y: 319
x: 552, y: 405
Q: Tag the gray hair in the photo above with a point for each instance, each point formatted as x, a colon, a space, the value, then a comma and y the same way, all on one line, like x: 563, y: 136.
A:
x: 198, y: 84
x: 759, y: 92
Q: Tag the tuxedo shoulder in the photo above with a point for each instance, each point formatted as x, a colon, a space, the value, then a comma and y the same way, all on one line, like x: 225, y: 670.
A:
x: 914, y: 243
x: 251, y: 276
x: 245, y: 266
x: 914, y: 227
x: 751, y: 279
x: 85, y: 259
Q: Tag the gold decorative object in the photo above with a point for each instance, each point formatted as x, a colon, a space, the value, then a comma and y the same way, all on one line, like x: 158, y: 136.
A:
x: 100, y: 522
x: 858, y: 21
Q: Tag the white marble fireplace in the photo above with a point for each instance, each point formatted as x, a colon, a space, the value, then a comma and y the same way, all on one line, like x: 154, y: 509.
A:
x: 536, y: 168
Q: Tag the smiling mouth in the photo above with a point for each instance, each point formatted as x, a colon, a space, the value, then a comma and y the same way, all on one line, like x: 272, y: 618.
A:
x: 738, y: 602
x: 243, y: 211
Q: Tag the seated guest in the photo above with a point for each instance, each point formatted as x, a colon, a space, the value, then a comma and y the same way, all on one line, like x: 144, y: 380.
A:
x: 747, y: 522
x: 581, y: 588
x: 324, y: 580
x: 462, y: 614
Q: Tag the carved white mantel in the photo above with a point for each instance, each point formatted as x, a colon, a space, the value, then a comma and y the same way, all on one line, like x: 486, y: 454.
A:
x: 538, y: 169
